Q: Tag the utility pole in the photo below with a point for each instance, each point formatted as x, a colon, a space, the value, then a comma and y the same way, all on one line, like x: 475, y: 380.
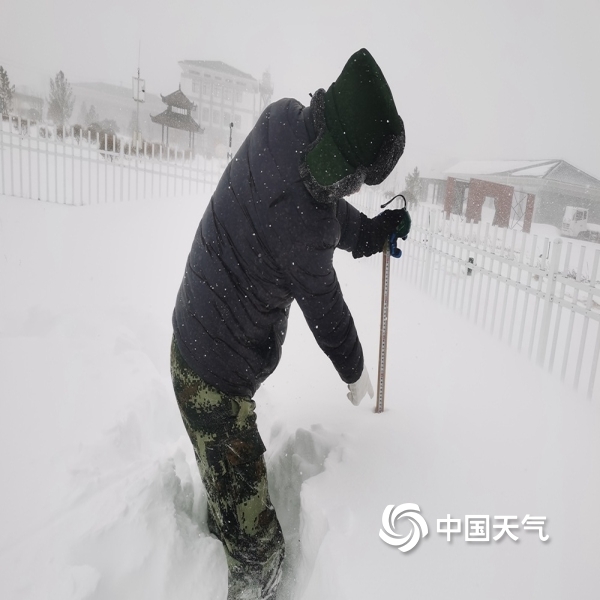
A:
x: 265, y: 87
x: 139, y: 91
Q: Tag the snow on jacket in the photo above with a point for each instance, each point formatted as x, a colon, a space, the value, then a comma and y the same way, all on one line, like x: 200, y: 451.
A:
x: 263, y: 242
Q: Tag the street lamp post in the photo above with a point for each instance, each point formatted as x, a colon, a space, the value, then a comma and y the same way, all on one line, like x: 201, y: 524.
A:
x: 229, y: 152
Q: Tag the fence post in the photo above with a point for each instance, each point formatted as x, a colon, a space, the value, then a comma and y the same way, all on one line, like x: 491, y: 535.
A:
x: 73, y: 162
x: 29, y: 192
x: 549, y: 300
x: 586, y: 321
x: 20, y: 138
x: 2, y: 180
x: 428, y: 252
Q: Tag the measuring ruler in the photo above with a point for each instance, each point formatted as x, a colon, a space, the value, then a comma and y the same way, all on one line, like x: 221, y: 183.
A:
x: 385, y: 301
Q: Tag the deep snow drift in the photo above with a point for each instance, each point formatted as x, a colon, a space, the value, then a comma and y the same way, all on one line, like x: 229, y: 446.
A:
x: 101, y: 497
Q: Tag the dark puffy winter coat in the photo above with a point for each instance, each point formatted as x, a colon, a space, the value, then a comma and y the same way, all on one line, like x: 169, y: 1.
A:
x: 263, y: 242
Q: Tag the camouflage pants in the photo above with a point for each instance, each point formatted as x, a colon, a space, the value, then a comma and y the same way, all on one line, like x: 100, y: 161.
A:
x: 229, y: 452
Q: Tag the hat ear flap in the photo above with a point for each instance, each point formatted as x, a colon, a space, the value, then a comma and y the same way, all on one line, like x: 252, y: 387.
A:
x: 391, y: 150
x: 318, y: 184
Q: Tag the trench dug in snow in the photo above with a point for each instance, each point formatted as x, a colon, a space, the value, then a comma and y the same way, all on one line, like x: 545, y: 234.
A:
x: 154, y: 512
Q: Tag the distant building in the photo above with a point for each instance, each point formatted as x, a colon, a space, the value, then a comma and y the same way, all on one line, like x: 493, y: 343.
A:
x: 223, y: 95
x: 27, y: 105
x: 520, y: 191
x: 433, y: 188
x: 115, y: 102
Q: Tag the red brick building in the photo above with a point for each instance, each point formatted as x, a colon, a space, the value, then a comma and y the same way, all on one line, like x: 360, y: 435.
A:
x: 521, y: 191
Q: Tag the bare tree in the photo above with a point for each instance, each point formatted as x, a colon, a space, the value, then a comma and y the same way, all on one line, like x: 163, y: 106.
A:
x: 61, y: 100
x: 6, y: 92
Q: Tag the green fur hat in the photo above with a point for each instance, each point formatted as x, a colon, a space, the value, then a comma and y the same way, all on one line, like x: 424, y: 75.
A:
x: 360, y: 135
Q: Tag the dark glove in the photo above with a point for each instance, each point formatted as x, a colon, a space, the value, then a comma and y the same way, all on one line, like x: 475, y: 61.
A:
x: 375, y: 232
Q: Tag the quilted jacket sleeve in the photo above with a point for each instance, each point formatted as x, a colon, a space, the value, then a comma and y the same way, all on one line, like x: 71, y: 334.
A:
x: 349, y: 219
x: 314, y: 285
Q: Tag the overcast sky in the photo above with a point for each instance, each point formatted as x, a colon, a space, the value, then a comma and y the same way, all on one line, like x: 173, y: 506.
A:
x: 489, y: 79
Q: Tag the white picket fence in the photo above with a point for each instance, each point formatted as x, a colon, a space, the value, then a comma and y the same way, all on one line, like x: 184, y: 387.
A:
x: 539, y: 295
x: 68, y: 167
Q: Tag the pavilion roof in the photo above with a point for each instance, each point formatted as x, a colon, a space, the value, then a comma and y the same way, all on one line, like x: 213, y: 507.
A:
x: 178, y: 99
x: 168, y: 118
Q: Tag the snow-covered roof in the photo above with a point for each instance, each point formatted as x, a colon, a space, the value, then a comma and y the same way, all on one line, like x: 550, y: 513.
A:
x: 178, y: 99
x: 549, y: 169
x: 536, y: 171
x: 534, y: 168
x: 176, y: 121
x: 217, y: 65
x: 106, y: 88
x: 110, y: 90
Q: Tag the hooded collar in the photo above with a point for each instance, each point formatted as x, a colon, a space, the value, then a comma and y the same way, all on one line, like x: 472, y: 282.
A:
x: 345, y: 186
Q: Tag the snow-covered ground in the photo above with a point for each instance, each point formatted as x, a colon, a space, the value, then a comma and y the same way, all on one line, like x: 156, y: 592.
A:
x: 101, y: 498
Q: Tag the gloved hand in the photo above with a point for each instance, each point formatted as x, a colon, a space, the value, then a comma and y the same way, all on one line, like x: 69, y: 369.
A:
x: 360, y: 388
x: 374, y: 232
x: 403, y: 227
